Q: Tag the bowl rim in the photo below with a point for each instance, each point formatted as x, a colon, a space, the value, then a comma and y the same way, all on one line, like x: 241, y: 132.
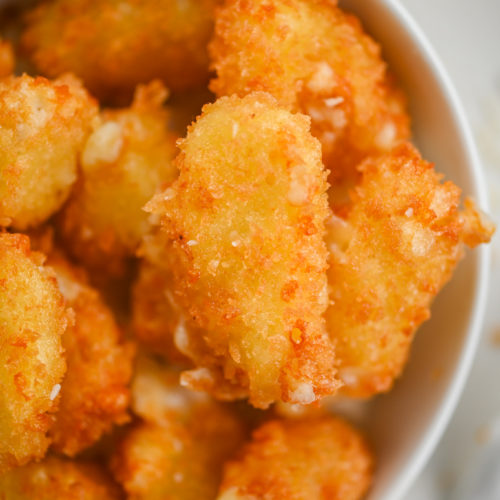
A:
x: 445, y: 409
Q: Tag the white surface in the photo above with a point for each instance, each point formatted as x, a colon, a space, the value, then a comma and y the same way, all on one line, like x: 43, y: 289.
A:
x: 466, y: 35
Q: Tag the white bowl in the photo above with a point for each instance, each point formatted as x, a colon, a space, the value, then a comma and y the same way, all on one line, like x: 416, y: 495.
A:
x: 405, y: 425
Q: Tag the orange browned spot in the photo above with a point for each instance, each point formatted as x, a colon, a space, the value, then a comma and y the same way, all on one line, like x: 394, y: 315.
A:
x: 20, y: 383
x: 307, y: 226
x: 289, y: 289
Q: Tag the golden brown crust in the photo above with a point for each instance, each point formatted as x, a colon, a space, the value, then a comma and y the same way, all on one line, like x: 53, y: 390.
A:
x: 156, y: 317
x: 41, y: 123
x: 124, y: 162
x: 157, y: 396
x: 56, y: 478
x: 323, y: 458
x: 313, y: 58
x: 177, y: 451
x: 242, y: 231
x: 114, y: 46
x: 32, y: 320
x: 394, y: 252
x: 7, y: 60
x: 94, y: 393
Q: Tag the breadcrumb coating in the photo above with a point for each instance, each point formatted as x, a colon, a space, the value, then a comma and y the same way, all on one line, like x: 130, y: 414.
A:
x: 43, y: 126
x: 94, y: 392
x: 178, y: 450
x: 156, y: 318
x: 113, y: 45
x: 320, y: 458
x: 32, y: 320
x: 124, y: 162
x: 58, y: 479
x: 395, y: 251
x: 242, y: 230
x: 313, y: 58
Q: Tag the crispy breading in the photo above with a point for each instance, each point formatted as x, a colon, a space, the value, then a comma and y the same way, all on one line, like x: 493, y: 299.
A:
x: 94, y: 392
x: 7, y: 59
x: 114, y: 45
x: 178, y: 450
x: 242, y: 231
x: 397, y: 248
x: 124, y: 162
x: 58, y: 479
x: 300, y: 460
x: 32, y: 320
x: 43, y: 126
x: 313, y: 58
x: 156, y: 318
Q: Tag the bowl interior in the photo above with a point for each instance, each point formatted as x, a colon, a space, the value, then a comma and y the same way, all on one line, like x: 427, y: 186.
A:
x: 405, y: 425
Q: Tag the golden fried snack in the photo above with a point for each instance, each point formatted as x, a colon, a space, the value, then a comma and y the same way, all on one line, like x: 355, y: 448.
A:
x: 124, y: 162
x: 7, y: 59
x: 158, y: 398
x: 58, y: 479
x: 94, y: 392
x: 113, y: 44
x: 43, y: 126
x: 156, y: 318
x: 300, y: 460
x: 397, y: 248
x: 32, y: 320
x: 313, y: 58
x: 242, y: 232
x: 178, y: 450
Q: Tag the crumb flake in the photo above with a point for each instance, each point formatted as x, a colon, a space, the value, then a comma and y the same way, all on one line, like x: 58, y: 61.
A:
x: 55, y: 391
x: 303, y: 394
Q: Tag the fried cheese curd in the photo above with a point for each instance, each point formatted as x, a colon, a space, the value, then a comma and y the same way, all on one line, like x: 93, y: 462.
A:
x: 178, y: 449
x: 32, y: 320
x: 242, y: 231
x: 94, y: 392
x: 395, y: 251
x: 58, y: 479
x: 300, y: 459
x: 113, y: 45
x: 313, y: 58
x: 124, y: 162
x: 7, y: 59
x: 157, y: 320
x: 43, y: 126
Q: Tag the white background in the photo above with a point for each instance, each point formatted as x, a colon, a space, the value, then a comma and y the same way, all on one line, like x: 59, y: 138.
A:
x: 466, y: 35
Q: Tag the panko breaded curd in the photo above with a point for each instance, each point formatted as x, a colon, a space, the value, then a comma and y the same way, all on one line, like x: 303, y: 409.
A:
x: 304, y: 459
x: 32, y: 320
x: 159, y: 323
x: 124, y: 162
x: 113, y: 45
x: 58, y: 479
x: 313, y: 58
x: 157, y: 320
x: 177, y: 451
x: 7, y: 59
x: 242, y: 230
x: 395, y: 251
x: 94, y: 392
x: 43, y: 126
